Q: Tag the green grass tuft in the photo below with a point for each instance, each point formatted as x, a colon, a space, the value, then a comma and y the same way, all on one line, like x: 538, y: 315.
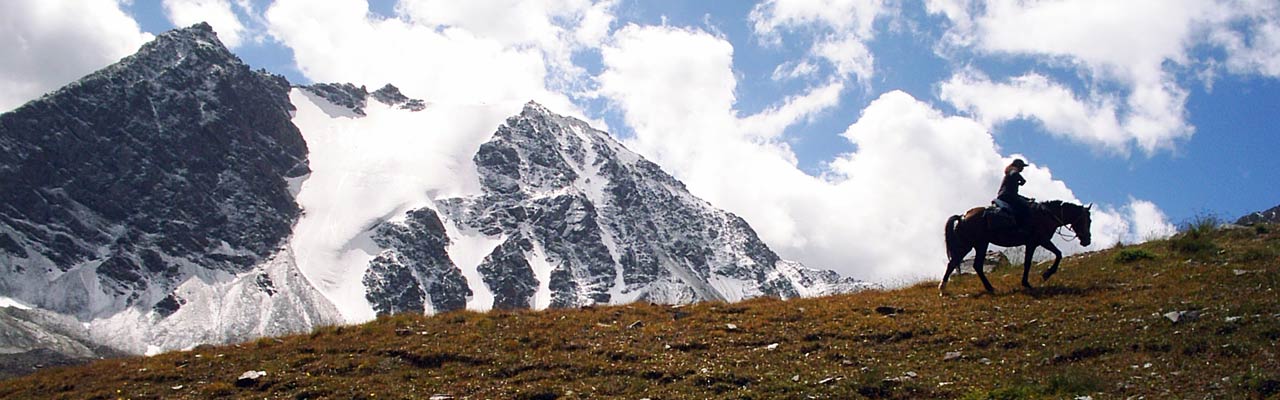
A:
x: 1129, y: 255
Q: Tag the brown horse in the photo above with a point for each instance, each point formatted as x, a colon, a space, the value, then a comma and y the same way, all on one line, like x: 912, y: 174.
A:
x: 972, y: 232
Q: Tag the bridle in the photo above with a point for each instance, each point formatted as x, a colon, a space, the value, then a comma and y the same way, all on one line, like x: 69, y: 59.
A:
x: 1060, y: 218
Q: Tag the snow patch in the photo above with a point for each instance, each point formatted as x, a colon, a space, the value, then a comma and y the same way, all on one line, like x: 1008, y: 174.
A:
x: 468, y: 248
x: 542, y: 272
x: 295, y: 183
x: 367, y: 169
x: 8, y: 302
x: 216, y: 307
x: 734, y: 290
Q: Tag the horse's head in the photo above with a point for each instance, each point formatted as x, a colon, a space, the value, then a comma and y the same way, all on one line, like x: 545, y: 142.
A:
x: 1080, y: 224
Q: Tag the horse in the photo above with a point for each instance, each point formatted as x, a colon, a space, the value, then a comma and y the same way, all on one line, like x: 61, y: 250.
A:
x: 971, y: 232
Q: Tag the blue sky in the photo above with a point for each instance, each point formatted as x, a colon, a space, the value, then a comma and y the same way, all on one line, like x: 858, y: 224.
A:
x: 1157, y: 112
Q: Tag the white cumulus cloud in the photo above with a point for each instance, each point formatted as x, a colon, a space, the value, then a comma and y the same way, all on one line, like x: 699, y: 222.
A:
x: 1090, y: 120
x: 1149, y: 223
x: 1253, y: 44
x: 1138, y: 46
x: 840, y: 29
x: 446, y: 51
x: 51, y: 43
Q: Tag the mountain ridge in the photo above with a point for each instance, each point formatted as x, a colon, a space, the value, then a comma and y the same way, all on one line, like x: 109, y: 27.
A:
x: 1268, y: 216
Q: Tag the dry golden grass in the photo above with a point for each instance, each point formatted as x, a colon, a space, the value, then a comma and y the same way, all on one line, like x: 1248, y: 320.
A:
x: 1096, y: 329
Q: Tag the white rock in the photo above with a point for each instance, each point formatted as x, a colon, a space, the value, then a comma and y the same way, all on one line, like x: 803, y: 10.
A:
x: 252, y: 375
x: 249, y: 378
x: 1179, y: 316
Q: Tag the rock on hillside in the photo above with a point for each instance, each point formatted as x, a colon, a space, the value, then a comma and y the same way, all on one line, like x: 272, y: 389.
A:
x: 1271, y: 216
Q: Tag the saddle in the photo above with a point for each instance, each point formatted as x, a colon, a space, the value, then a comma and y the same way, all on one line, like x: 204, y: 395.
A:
x: 999, y: 215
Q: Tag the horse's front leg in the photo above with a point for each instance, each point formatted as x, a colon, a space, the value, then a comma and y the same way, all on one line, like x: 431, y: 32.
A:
x: 1057, y: 258
x: 1026, y: 264
x: 978, y: 259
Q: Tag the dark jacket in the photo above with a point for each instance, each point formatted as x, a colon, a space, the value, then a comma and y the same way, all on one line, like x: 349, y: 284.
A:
x: 1009, y: 187
x: 1009, y: 194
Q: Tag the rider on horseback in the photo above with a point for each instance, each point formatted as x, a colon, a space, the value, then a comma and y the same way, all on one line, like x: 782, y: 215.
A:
x: 975, y: 230
x: 1008, y: 196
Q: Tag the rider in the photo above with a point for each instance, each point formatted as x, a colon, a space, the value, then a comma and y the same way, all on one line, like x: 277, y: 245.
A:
x: 1009, y: 193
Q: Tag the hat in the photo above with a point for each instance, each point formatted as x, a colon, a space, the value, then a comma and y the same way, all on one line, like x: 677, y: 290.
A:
x: 1017, y: 162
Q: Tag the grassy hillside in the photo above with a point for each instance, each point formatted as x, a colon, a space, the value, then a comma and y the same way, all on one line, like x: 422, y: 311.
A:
x: 1098, y: 328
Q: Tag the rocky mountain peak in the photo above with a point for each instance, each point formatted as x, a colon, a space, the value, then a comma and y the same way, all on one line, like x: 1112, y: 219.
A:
x: 587, y: 221
x: 390, y: 95
x: 356, y: 98
x: 173, y: 157
x: 198, y: 35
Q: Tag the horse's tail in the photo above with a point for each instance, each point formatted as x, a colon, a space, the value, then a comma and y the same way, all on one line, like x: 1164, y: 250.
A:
x: 950, y: 235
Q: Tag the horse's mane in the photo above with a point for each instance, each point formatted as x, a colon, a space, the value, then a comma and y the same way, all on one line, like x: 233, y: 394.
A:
x: 1059, y: 205
x: 1053, y: 203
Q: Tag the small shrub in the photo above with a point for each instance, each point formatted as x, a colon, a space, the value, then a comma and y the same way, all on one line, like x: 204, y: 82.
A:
x: 1074, y: 383
x: 1133, y: 255
x: 1015, y: 392
x: 1202, y: 223
x: 1194, y: 235
x: 1066, y: 385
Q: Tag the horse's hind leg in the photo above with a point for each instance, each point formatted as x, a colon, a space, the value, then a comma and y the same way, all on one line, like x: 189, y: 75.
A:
x: 952, y: 265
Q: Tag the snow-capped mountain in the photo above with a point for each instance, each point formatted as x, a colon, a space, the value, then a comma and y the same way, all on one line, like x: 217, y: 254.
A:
x: 178, y: 197
x: 544, y: 212
x: 150, y: 200
x: 583, y: 220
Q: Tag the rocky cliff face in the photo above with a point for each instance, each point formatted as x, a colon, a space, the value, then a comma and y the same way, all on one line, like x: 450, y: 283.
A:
x: 585, y: 221
x: 164, y: 171
x: 414, y: 273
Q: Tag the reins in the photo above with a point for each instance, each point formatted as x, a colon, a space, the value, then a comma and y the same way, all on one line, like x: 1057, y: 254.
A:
x: 1061, y: 223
